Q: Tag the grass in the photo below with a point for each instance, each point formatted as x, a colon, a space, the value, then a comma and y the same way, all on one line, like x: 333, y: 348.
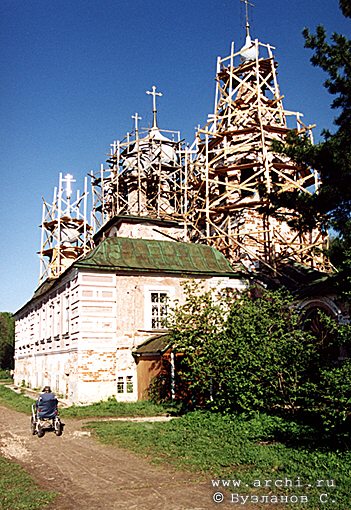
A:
x: 222, y: 447
x: 111, y: 407
x: 18, y: 490
x: 108, y: 408
x: 16, y: 401
x: 236, y: 448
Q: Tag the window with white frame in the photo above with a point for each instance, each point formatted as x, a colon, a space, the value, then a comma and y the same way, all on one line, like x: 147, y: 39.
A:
x: 51, y: 321
x: 157, y: 302
x: 129, y: 384
x: 159, y: 307
x: 125, y: 384
x: 120, y: 384
x: 57, y: 316
x: 43, y: 321
x: 66, y: 314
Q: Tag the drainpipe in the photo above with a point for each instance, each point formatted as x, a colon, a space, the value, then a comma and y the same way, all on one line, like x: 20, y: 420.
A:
x: 172, y: 376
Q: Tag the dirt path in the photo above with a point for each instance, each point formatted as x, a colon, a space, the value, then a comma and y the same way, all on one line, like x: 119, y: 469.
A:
x: 92, y: 476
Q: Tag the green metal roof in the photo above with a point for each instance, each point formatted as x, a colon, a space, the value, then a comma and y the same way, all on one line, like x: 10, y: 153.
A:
x: 128, y: 254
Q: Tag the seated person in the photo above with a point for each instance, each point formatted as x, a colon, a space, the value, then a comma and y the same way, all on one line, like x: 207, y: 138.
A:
x: 47, y: 403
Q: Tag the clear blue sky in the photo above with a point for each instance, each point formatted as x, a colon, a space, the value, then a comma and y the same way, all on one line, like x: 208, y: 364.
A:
x: 74, y: 71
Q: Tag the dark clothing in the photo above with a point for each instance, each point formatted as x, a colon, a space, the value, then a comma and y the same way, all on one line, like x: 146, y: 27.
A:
x: 47, y: 405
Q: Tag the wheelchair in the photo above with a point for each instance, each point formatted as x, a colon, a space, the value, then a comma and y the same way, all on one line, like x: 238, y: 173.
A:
x: 45, y: 421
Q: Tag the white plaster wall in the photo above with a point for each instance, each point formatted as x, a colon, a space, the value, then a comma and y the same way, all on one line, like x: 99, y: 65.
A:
x: 45, y: 340
x: 97, y: 336
x: 147, y: 231
x: 79, y: 337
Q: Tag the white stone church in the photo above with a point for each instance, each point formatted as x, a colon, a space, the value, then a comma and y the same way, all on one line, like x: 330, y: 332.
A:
x: 162, y: 213
x: 79, y: 331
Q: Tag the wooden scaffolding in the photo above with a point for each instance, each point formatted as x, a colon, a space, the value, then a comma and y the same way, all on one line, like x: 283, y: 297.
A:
x: 219, y: 187
x: 232, y: 168
x: 65, y: 232
x: 145, y: 175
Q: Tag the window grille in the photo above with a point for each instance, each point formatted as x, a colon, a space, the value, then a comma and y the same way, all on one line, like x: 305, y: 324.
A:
x: 120, y: 384
x: 129, y: 384
x: 159, y: 305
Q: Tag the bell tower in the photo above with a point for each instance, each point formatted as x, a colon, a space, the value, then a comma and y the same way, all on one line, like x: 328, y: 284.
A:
x: 234, y: 167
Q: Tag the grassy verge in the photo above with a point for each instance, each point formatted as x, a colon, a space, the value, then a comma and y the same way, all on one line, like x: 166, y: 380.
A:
x: 18, y: 491
x: 249, y: 450
x: 16, y: 401
x: 113, y: 408
x: 22, y: 403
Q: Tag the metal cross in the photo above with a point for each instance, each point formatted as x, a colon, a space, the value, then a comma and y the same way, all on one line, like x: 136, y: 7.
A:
x: 247, y: 3
x: 136, y: 118
x: 114, y: 147
x: 154, y: 110
x: 68, y: 179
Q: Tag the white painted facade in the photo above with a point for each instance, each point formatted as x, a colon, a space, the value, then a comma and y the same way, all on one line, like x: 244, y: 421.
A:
x: 78, y: 336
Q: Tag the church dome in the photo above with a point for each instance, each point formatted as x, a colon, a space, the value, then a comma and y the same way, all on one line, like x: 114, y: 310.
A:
x: 249, y: 51
x: 166, y: 149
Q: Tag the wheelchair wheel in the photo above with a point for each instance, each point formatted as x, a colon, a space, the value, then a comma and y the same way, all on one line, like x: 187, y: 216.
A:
x: 33, y: 426
x: 58, y: 427
x: 41, y: 431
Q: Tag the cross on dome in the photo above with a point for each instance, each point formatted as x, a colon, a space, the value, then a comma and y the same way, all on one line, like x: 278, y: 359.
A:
x: 68, y: 179
x: 153, y: 93
x: 136, y: 119
x: 247, y: 3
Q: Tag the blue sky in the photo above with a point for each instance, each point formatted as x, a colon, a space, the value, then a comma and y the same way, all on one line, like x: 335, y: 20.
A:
x: 73, y: 73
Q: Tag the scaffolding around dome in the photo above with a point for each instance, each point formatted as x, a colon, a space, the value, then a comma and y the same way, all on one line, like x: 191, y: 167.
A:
x: 145, y: 175
x: 65, y: 231
x: 219, y: 187
x: 144, y: 178
x: 233, y: 168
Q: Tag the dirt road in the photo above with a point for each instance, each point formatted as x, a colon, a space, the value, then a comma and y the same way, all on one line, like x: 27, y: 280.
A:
x: 92, y: 476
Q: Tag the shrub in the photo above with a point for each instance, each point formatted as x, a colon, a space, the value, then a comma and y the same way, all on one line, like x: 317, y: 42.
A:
x: 241, y: 353
x: 253, y: 352
x: 333, y: 402
x: 5, y: 374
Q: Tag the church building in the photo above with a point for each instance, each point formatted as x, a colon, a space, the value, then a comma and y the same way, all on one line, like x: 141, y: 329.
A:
x: 164, y: 213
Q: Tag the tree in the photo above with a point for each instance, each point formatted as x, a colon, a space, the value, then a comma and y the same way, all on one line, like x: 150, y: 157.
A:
x: 7, y: 340
x: 254, y: 352
x: 243, y: 353
x: 195, y: 329
x: 332, y: 157
x: 345, y: 6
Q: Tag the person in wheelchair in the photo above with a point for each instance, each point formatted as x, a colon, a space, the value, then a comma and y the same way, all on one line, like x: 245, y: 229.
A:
x: 46, y: 404
x: 45, y: 415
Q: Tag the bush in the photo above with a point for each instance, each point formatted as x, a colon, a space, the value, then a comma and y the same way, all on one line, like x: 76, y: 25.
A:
x: 243, y: 354
x: 254, y: 352
x: 5, y: 374
x: 333, y: 402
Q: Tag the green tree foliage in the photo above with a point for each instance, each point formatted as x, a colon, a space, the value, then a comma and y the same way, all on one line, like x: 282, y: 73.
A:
x: 333, y: 397
x: 270, y: 355
x: 345, y: 6
x: 243, y: 353
x: 253, y: 352
x: 196, y: 329
x: 330, y: 207
x: 7, y: 340
x: 332, y: 157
